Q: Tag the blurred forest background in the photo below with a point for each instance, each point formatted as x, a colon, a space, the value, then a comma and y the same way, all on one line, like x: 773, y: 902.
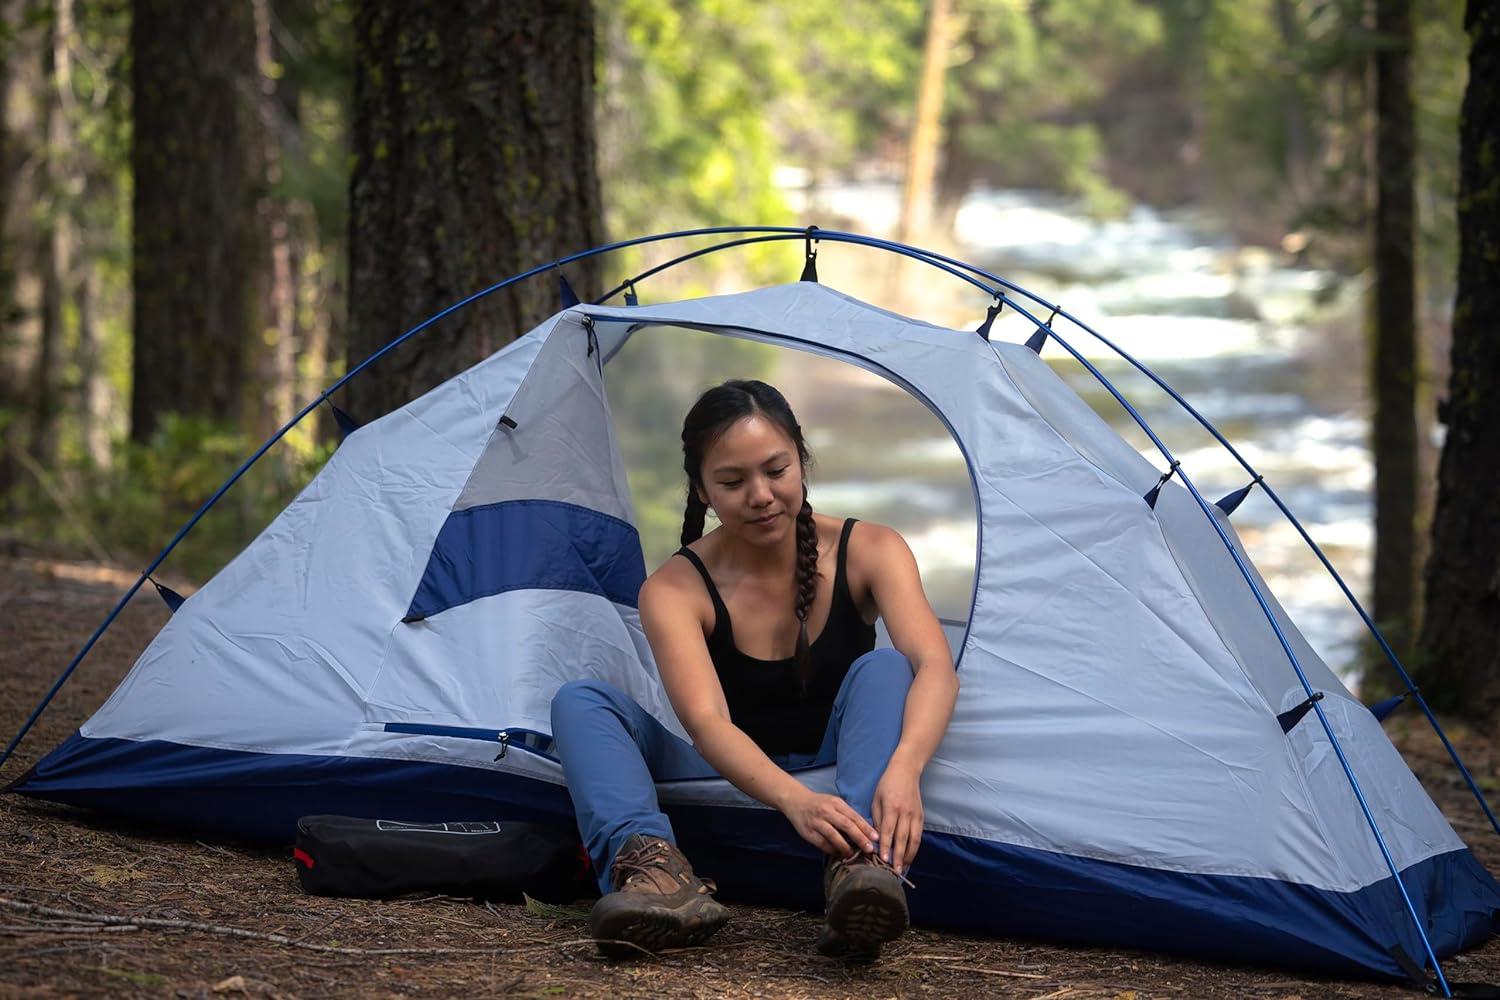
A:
x: 212, y: 211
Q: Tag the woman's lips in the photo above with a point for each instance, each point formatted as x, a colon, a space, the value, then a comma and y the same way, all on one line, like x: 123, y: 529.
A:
x: 765, y: 521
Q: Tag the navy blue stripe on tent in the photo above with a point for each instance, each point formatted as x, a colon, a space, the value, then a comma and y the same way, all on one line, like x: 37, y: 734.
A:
x: 757, y: 857
x: 530, y: 545
x: 260, y: 796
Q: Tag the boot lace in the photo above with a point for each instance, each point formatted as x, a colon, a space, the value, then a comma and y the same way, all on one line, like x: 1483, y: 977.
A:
x: 877, y: 861
x: 652, y: 862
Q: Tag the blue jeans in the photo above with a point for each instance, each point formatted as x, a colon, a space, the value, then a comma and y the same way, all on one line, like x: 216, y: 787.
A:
x: 613, y: 752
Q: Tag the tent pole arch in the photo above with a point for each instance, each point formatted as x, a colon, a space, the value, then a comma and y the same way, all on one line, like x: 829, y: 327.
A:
x: 782, y: 233
x: 937, y: 259
x: 934, y: 259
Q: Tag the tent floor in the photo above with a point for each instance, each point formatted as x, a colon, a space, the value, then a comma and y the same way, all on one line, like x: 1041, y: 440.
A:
x: 75, y: 865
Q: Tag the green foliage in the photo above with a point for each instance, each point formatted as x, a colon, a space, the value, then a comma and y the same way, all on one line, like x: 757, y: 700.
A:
x: 133, y: 508
x: 700, y: 101
x: 1439, y: 72
x: 1023, y: 83
x: 314, y: 84
x: 1288, y: 108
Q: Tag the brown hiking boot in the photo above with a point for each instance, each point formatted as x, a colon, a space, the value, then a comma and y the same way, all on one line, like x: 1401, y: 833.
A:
x: 865, y: 907
x: 658, y: 902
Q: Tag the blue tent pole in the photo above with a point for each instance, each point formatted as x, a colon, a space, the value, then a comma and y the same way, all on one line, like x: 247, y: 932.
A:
x: 1374, y: 630
x: 1317, y: 550
x: 683, y: 259
x: 1285, y: 645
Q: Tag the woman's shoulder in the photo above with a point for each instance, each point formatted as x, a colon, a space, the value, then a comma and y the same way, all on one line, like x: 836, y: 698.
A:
x: 869, y: 535
x: 675, y: 588
x: 874, y: 550
x: 676, y: 573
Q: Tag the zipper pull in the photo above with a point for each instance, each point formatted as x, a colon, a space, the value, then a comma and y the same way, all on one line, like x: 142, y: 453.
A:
x: 504, y: 739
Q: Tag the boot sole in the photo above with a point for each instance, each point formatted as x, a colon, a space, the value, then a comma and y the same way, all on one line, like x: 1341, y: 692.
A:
x: 863, y: 917
x: 624, y: 932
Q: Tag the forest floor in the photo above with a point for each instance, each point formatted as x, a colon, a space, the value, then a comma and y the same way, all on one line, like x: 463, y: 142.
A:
x: 202, y: 918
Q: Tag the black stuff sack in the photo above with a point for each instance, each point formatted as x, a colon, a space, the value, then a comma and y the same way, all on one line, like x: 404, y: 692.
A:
x: 375, y: 858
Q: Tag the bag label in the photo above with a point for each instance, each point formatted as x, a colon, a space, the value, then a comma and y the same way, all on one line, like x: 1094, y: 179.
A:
x: 397, y: 826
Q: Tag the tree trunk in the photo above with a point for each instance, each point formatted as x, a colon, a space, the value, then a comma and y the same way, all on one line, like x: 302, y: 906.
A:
x: 474, y: 156
x: 22, y: 242
x: 275, y: 350
x: 1459, y: 668
x: 1395, y: 376
x: 57, y: 272
x: 95, y: 403
x: 196, y: 259
x: 926, y: 132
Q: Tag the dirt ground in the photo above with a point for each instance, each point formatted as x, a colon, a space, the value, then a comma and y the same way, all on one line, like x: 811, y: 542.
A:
x: 89, y: 907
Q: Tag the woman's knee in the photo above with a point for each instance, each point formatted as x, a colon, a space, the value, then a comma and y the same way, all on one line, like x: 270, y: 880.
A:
x: 580, y: 696
x: 883, y: 666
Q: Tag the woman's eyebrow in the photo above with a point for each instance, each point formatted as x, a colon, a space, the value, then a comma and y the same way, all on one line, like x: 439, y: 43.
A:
x: 780, y: 456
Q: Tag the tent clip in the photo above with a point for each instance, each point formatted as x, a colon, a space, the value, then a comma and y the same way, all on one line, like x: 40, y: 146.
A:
x: 631, y: 299
x: 504, y: 739
x: 1038, y: 340
x: 1156, y: 490
x: 565, y: 293
x: 990, y: 314
x: 810, y: 268
x: 173, y: 598
x: 1292, y: 716
x: 1383, y: 709
x: 1231, y: 501
x: 347, y: 425
x: 508, y: 423
x: 593, y: 351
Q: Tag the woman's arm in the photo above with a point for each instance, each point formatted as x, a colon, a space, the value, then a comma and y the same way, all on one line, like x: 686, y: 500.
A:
x: 676, y: 636
x: 885, y: 560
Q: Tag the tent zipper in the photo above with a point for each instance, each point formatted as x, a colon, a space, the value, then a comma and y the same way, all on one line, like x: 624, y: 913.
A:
x: 530, y: 740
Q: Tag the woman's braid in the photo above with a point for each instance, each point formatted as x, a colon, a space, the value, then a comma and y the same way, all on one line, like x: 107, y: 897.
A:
x: 692, y: 517
x: 807, y: 586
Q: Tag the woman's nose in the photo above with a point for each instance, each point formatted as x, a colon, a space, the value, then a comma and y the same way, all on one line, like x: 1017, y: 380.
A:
x: 760, y: 492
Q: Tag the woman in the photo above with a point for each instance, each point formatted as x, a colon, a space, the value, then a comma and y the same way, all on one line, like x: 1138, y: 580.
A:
x: 729, y: 619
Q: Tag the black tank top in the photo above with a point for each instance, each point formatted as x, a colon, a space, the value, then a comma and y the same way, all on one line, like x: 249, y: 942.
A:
x: 764, y: 696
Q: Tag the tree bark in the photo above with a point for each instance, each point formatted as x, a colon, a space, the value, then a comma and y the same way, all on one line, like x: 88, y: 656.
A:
x: 1395, y: 355
x: 196, y: 258
x: 926, y: 132
x: 95, y: 402
x: 474, y: 157
x: 23, y: 244
x: 275, y: 350
x: 1459, y: 666
x: 57, y: 272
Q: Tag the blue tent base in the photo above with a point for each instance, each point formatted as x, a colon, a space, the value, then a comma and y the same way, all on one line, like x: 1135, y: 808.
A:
x: 963, y: 883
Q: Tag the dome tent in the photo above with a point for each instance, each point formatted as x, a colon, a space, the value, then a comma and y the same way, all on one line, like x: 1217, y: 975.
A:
x: 1145, y: 751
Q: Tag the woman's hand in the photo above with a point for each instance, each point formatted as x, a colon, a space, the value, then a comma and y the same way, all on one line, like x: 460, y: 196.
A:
x: 898, y: 814
x: 830, y: 824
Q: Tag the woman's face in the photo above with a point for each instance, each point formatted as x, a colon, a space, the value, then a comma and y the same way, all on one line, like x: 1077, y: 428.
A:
x: 752, y: 479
